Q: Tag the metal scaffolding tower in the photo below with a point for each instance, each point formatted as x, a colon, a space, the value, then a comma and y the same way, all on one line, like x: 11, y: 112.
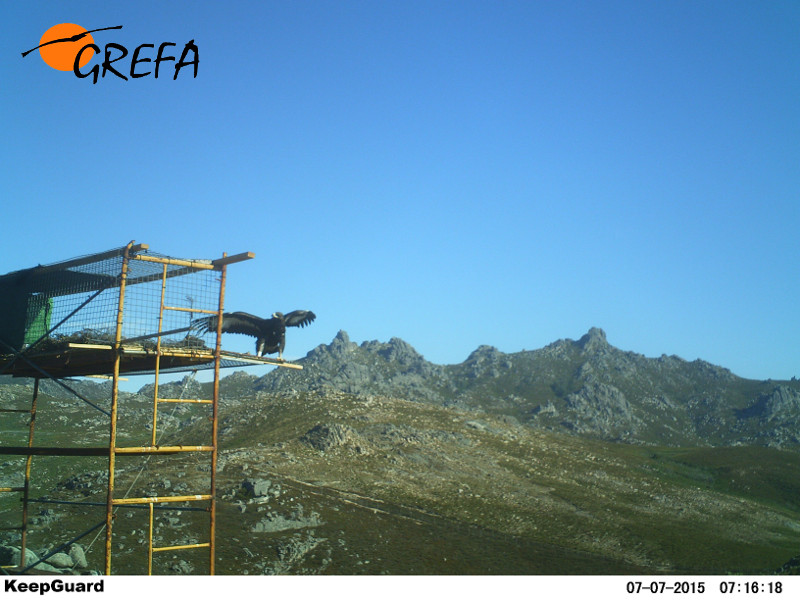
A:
x: 128, y: 311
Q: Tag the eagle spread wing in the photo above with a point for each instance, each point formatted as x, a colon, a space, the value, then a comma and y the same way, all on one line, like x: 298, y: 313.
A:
x: 236, y: 322
x: 299, y: 318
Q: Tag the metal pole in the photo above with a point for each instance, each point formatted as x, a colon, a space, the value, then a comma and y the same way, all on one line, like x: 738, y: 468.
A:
x: 215, y: 419
x: 112, y: 441
x: 150, y: 542
x: 158, y: 354
x: 27, y: 484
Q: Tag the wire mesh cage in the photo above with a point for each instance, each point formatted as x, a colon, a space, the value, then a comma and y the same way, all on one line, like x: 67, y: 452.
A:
x: 184, y: 294
x: 74, y: 307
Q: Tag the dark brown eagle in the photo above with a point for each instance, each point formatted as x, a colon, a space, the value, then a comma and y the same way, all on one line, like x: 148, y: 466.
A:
x: 270, y: 334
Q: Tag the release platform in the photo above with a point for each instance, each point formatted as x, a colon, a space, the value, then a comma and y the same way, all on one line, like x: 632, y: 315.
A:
x: 127, y: 311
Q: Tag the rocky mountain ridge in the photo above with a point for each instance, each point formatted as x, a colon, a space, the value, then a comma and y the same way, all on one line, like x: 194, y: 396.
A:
x: 586, y: 387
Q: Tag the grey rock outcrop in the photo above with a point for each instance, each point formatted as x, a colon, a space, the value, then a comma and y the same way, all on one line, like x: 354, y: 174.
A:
x: 325, y: 437
x: 371, y: 368
x: 273, y: 521
x: 782, y: 402
x: 773, y: 418
x: 599, y: 407
x: 257, y: 487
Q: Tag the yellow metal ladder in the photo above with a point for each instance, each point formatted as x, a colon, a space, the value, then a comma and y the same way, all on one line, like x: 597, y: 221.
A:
x: 154, y: 448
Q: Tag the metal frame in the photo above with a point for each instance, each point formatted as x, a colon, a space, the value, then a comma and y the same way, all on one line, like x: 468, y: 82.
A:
x: 207, y: 497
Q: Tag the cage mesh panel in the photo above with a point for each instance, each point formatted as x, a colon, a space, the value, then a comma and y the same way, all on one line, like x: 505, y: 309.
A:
x: 71, y: 287
x: 64, y: 289
x: 185, y: 288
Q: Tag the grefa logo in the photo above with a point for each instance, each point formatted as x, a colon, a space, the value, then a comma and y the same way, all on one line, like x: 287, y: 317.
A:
x: 70, y: 47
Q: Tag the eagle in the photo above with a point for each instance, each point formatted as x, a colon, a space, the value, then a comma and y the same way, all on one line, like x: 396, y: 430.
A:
x: 270, y: 333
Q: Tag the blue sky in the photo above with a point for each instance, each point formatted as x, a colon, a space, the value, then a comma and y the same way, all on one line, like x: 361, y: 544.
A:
x: 450, y: 173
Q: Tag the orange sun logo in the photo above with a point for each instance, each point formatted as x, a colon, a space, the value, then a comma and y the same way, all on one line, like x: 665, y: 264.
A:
x: 61, y: 43
x: 70, y: 47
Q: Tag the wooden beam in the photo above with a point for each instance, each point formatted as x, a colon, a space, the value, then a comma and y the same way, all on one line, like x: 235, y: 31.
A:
x: 260, y: 360
x: 226, y: 260
x: 191, y: 310
x: 177, y: 262
x: 161, y: 449
x: 90, y: 346
x: 155, y: 499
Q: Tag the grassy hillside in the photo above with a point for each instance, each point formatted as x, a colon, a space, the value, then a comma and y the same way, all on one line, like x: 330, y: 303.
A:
x: 699, y: 510
x: 338, y: 483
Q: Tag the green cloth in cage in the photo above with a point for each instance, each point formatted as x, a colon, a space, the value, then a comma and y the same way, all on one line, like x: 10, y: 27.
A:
x: 37, y: 319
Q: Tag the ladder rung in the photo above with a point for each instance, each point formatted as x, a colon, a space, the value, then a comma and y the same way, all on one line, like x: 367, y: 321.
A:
x: 156, y: 499
x: 12, y: 489
x: 186, y: 401
x: 15, y: 410
x: 162, y: 449
x: 184, y: 547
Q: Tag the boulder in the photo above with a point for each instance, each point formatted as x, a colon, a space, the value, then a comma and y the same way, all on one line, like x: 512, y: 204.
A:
x: 325, y: 437
x: 78, y: 556
x: 181, y: 567
x: 60, y: 560
x: 257, y: 487
x: 10, y: 555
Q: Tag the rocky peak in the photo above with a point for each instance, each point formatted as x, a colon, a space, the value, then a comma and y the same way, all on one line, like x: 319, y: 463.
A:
x: 486, y: 361
x: 594, y: 340
x: 340, y: 346
x: 400, y: 351
x: 241, y: 376
x: 484, y: 353
x: 341, y: 339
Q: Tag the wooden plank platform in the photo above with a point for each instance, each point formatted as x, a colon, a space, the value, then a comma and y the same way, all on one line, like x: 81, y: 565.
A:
x: 76, y: 360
